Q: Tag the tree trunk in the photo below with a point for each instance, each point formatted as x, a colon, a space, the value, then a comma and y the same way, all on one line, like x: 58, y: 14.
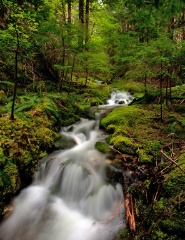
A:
x: 63, y: 63
x: 81, y: 11
x: 161, y: 95
x: 81, y: 20
x: 63, y: 11
x: 15, y: 75
x: 167, y: 78
x: 71, y: 75
x: 170, y: 93
x: 87, y: 21
x: 145, y: 86
x: 69, y: 11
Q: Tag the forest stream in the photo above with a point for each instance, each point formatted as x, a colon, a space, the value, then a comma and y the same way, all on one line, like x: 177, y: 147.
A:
x: 69, y: 197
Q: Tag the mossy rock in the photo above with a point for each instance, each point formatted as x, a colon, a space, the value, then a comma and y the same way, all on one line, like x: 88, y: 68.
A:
x: 124, y: 144
x: 22, y: 144
x: 129, y: 116
x: 102, y: 147
x: 138, y: 96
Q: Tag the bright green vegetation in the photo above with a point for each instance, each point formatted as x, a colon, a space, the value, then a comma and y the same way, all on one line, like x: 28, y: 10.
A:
x: 52, y: 53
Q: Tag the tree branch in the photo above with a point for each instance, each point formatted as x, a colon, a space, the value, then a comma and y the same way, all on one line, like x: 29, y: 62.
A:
x: 172, y: 161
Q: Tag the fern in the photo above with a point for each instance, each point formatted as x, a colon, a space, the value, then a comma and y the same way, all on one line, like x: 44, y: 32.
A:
x: 32, y: 98
x: 48, y: 100
x: 7, y: 83
x: 21, y: 116
x: 8, y: 105
x: 53, y: 111
x: 26, y: 106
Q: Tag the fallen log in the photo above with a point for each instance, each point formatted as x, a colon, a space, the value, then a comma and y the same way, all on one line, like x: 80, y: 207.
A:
x: 129, y: 211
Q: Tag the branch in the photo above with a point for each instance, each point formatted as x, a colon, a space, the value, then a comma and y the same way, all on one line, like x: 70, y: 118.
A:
x: 118, y: 152
x: 172, y: 161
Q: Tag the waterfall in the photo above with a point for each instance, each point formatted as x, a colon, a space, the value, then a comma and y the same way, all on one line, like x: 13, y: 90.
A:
x: 69, y: 198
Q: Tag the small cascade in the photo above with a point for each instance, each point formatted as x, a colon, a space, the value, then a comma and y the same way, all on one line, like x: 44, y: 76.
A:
x: 69, y: 197
x: 118, y: 99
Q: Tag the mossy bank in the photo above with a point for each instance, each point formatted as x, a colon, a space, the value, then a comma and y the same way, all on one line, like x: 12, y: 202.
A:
x: 155, y: 147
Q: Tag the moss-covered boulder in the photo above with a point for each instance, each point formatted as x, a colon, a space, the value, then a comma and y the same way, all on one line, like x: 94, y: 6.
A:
x: 102, y: 147
x: 131, y: 132
x: 22, y: 144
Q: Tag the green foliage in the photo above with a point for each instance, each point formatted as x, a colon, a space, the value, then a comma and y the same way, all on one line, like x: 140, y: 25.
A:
x: 123, y: 234
x: 131, y: 86
x: 175, y: 124
x: 178, y: 91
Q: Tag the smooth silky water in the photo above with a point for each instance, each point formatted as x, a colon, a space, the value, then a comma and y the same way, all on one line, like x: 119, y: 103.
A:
x: 69, y: 198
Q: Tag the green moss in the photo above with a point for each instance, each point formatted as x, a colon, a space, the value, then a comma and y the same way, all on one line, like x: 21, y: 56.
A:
x: 138, y: 96
x: 22, y: 144
x: 11, y: 173
x: 152, y: 147
x: 102, y: 147
x: 125, y: 125
x: 123, y: 144
x: 129, y: 116
x: 144, y: 157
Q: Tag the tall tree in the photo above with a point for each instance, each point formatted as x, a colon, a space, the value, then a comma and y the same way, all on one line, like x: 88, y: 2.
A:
x: 69, y: 5
x: 87, y: 20
x: 81, y: 11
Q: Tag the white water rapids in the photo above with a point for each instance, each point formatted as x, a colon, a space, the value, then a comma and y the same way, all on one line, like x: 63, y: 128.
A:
x: 69, y: 198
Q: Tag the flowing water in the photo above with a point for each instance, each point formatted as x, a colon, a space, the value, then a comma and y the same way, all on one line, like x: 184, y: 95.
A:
x: 69, y: 198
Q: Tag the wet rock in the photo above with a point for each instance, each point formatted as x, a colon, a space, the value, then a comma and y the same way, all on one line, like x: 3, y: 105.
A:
x: 65, y: 142
x: 114, y: 175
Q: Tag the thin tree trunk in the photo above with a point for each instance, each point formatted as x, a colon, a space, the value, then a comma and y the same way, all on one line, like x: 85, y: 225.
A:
x: 71, y: 77
x: 81, y: 20
x: 63, y: 11
x: 86, y: 76
x: 15, y: 75
x: 167, y: 78
x: 170, y: 93
x: 81, y: 11
x: 69, y: 11
x: 145, y: 85
x: 161, y: 95
x: 87, y: 21
x: 63, y: 62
